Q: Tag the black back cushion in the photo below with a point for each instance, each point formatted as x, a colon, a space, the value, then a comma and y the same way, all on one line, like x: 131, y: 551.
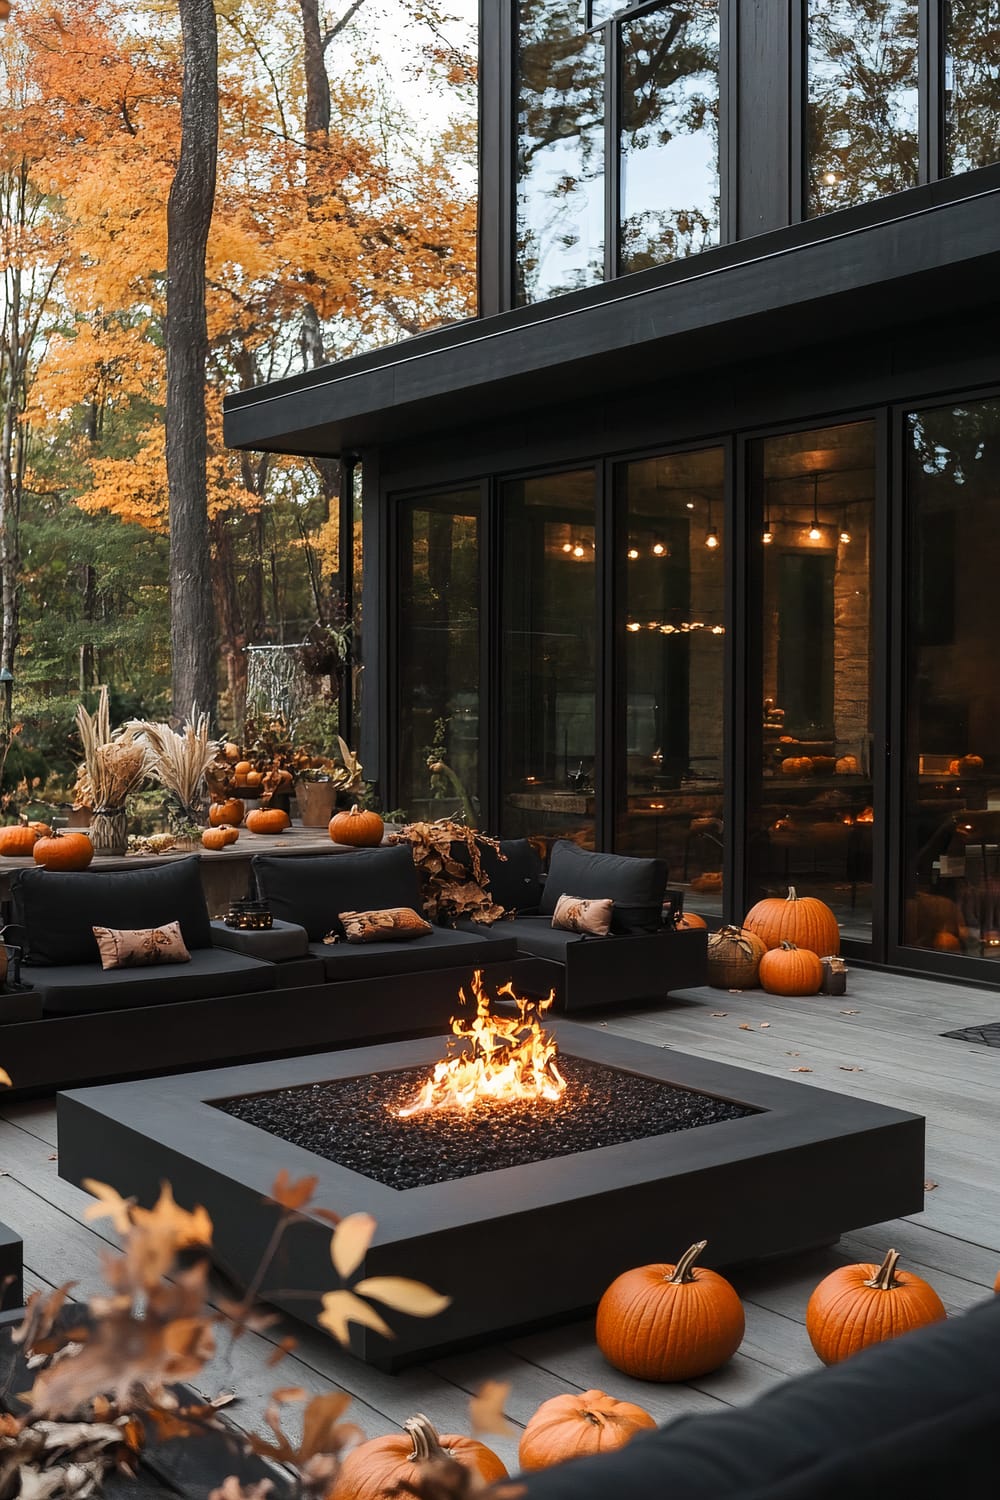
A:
x: 636, y: 886
x: 59, y: 911
x: 515, y: 882
x: 312, y: 891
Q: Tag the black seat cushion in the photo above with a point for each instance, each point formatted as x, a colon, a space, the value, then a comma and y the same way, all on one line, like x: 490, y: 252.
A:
x: 440, y: 949
x: 537, y: 936
x: 636, y: 886
x: 313, y: 891
x: 59, y: 912
x: 73, y: 989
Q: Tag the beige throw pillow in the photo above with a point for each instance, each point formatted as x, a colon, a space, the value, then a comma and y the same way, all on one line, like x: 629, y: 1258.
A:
x: 144, y: 946
x: 394, y: 924
x: 574, y: 914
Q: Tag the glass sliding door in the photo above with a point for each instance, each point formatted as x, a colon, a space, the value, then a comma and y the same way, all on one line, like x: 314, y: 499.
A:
x: 670, y: 566
x: 437, y: 710
x: 812, y: 813
x: 548, y: 739
x: 951, y: 873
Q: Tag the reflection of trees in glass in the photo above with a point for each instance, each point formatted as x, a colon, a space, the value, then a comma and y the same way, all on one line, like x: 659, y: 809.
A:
x: 670, y: 134
x: 958, y: 443
x: 560, y: 150
x: 862, y: 111
x: 972, y: 84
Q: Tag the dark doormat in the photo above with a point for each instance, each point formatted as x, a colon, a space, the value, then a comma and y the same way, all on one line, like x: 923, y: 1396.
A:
x: 986, y: 1036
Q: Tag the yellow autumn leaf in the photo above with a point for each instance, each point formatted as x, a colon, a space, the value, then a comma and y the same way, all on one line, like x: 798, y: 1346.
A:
x: 350, y: 1242
x: 341, y: 1308
x: 406, y: 1296
x: 486, y: 1408
x: 110, y: 1205
x: 5, y: 1079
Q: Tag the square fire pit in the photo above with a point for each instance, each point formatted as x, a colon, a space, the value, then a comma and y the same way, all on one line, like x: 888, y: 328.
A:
x: 513, y: 1246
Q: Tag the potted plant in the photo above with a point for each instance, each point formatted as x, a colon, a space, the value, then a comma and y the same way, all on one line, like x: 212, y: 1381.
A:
x: 325, y: 784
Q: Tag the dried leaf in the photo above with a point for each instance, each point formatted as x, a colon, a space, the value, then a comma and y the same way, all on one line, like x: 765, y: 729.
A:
x: 5, y: 1079
x: 486, y: 1408
x: 800, y: 1070
x: 341, y: 1308
x: 321, y: 1432
x: 719, y: 1013
x: 290, y: 1193
x: 403, y: 1295
x: 281, y: 1349
x: 929, y: 1186
x: 745, y: 1026
x: 110, y: 1205
x: 846, y: 1068
x: 350, y: 1242
x: 765, y: 1025
x: 167, y: 1218
x: 848, y: 1012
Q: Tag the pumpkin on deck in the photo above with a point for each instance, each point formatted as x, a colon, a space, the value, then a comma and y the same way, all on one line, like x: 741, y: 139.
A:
x: 267, y: 820
x: 219, y: 838
x: 375, y: 1470
x: 803, y: 920
x: 665, y: 1322
x: 63, y: 851
x: 866, y: 1304
x: 578, y: 1425
x: 787, y: 970
x: 360, y: 828
x: 734, y: 956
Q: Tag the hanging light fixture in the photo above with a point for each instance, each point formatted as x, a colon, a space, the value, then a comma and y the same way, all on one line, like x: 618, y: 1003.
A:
x: 767, y: 535
x: 567, y: 546
x: 660, y: 548
x: 845, y: 530
x: 633, y: 553
x: 815, y: 534
x: 578, y: 550
x: 712, y: 534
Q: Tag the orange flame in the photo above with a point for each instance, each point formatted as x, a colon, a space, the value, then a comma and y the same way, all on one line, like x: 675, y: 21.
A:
x: 507, y: 1057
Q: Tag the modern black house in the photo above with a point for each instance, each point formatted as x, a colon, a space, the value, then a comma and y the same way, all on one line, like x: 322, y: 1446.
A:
x: 689, y: 543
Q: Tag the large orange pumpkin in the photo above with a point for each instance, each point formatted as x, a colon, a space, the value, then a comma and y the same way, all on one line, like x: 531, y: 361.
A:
x: 664, y: 1322
x: 734, y: 956
x: 867, y: 1304
x: 17, y: 839
x: 231, y: 811
x: 362, y: 829
x: 267, y: 820
x: 64, y: 851
x: 577, y: 1425
x: 803, y: 920
x: 787, y: 970
x: 688, y: 921
x: 373, y: 1470
x: 219, y: 838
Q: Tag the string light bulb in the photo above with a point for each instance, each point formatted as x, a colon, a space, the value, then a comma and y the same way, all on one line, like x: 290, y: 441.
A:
x: 567, y: 546
x: 578, y: 550
x: 845, y: 530
x: 815, y: 534
x: 633, y: 553
x: 711, y: 537
x: 659, y: 548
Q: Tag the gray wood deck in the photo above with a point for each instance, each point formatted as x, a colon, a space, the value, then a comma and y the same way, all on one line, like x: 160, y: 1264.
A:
x: 880, y: 1042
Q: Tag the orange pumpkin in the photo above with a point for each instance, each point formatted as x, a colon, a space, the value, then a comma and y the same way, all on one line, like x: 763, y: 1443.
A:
x: 953, y: 768
x: 267, y: 820
x: 373, y: 1470
x: 231, y: 752
x: 734, y: 956
x: 664, y: 1322
x: 242, y: 767
x: 42, y: 829
x: 996, y: 1284
x: 577, y: 1425
x: 17, y: 839
x: 948, y: 942
x: 219, y: 838
x: 796, y: 765
x: 847, y: 765
x: 969, y: 764
x: 64, y: 851
x: 788, y: 970
x: 231, y: 811
x: 867, y: 1304
x: 803, y: 920
x: 688, y: 921
x: 362, y: 829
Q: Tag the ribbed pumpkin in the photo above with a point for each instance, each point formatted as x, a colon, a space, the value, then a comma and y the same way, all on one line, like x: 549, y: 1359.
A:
x: 267, y: 820
x: 664, y: 1322
x: 231, y: 811
x: 787, y: 970
x: 867, y: 1304
x: 359, y: 827
x: 373, y: 1470
x: 734, y: 956
x: 577, y: 1425
x: 17, y: 839
x: 219, y: 838
x: 689, y: 920
x: 64, y: 851
x: 803, y: 920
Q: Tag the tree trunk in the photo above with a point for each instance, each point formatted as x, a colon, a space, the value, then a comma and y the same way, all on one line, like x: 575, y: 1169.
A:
x: 11, y: 468
x: 189, y: 216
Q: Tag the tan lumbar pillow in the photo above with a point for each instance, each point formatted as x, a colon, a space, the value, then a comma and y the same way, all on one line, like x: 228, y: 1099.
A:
x: 143, y: 946
x: 575, y: 914
x: 394, y: 924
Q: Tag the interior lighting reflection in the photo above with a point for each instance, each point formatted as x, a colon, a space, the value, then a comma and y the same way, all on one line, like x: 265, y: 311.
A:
x: 633, y: 553
x: 567, y: 546
x: 578, y: 551
x: 712, y: 538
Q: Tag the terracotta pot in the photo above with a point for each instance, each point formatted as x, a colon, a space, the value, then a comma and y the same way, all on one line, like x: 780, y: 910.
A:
x: 316, y: 802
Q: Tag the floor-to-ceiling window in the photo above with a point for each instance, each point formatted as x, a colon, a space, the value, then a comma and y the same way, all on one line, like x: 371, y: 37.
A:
x: 438, y: 683
x: 971, y: 84
x: 670, y: 564
x: 812, y: 818
x: 952, y: 794
x: 548, y: 656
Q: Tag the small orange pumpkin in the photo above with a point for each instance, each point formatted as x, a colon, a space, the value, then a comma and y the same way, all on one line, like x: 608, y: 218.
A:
x: 803, y: 920
x: 231, y: 811
x: 17, y: 839
x: 361, y: 829
x: 689, y: 920
x: 996, y: 1284
x: 242, y: 767
x: 231, y: 752
x: 267, y: 820
x: 867, y: 1304
x: 734, y: 956
x: 847, y: 765
x: 577, y: 1425
x: 969, y: 764
x: 376, y: 1469
x: 949, y: 942
x: 220, y: 837
x: 664, y: 1322
x: 42, y: 829
x: 64, y: 851
x: 788, y: 970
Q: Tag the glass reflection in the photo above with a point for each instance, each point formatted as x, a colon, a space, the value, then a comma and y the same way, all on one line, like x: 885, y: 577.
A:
x: 972, y: 84
x: 952, y: 830
x: 862, y: 101
x: 669, y: 134
x: 560, y: 150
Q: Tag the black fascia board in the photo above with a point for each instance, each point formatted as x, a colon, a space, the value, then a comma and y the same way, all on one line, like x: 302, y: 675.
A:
x: 790, y: 291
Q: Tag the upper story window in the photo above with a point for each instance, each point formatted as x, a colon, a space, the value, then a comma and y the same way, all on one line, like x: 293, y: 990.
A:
x: 601, y: 192
x: 971, y: 84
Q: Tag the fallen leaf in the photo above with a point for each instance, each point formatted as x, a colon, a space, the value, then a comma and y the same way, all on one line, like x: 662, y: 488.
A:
x: 486, y: 1409
x: 292, y: 1193
x: 765, y: 1025
x: 846, y: 1068
x: 735, y: 992
x: 745, y: 1026
x: 792, y: 1054
x: 848, y: 1013
x: 350, y: 1242
x: 800, y: 1070
x: 717, y: 1013
x: 929, y: 1186
x: 53, y: 1156
x: 341, y: 1308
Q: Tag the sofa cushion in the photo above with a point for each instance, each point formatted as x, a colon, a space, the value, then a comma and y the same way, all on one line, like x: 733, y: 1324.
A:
x: 72, y: 989
x: 393, y: 924
x: 142, y: 948
x: 312, y: 891
x: 515, y: 881
x: 636, y: 886
x: 278, y: 943
x: 593, y: 917
x: 60, y: 911
x: 442, y: 948
x: 537, y: 936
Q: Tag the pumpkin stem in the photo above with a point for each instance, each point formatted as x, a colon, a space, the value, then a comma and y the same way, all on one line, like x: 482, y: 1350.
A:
x: 682, y: 1271
x: 355, y: 809
x: 884, y: 1279
x: 426, y: 1443
x: 792, y: 947
x: 791, y: 894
